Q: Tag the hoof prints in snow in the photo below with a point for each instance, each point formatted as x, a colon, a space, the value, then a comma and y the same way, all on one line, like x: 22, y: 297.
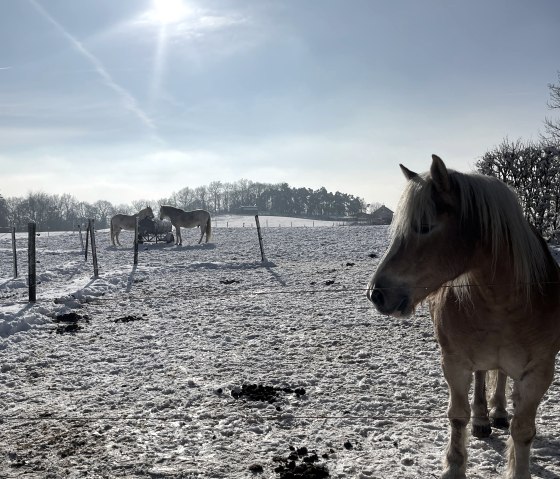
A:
x: 259, y: 392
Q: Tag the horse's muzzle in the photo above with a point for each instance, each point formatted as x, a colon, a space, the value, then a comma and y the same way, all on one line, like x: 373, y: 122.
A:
x: 388, y: 299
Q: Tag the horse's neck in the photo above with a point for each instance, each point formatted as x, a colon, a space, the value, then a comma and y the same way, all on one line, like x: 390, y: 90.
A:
x: 496, y: 281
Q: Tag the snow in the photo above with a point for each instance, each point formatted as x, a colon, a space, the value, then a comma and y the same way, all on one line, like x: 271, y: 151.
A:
x: 141, y: 385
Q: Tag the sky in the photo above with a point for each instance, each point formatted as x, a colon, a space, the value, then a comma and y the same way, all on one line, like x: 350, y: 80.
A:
x: 137, y: 99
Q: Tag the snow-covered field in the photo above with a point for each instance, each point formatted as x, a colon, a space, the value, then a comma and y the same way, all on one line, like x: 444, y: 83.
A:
x: 151, y: 374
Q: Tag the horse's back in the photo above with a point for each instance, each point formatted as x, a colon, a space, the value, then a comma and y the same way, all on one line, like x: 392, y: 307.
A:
x: 123, y: 221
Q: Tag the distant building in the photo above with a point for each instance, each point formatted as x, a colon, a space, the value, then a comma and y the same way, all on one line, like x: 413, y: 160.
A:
x: 381, y: 216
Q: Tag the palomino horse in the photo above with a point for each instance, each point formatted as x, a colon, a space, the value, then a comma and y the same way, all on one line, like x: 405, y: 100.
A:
x: 127, y: 222
x: 188, y: 219
x: 493, y: 288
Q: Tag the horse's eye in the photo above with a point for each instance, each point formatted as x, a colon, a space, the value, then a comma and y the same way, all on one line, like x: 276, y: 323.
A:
x: 424, y: 228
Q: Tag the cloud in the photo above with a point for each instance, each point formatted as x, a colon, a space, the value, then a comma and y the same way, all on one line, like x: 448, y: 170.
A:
x: 128, y: 101
x: 13, y: 136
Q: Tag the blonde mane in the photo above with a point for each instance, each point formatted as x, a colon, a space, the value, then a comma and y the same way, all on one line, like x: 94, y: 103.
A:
x: 485, y: 203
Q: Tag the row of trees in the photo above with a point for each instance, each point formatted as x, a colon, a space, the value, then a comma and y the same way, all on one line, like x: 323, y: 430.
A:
x: 64, y: 212
x: 533, y: 170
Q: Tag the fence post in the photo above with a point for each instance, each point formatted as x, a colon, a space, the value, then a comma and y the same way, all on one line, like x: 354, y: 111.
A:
x: 31, y: 261
x: 87, y: 238
x: 93, y: 248
x: 263, y: 259
x: 81, y: 237
x: 136, y: 241
x: 14, y: 251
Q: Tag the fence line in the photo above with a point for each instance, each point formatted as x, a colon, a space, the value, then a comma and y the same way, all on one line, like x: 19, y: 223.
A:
x: 278, y: 417
x: 90, y: 233
x: 110, y: 295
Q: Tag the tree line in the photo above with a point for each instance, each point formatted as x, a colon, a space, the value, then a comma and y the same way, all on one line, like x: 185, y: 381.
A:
x: 532, y: 169
x: 64, y: 212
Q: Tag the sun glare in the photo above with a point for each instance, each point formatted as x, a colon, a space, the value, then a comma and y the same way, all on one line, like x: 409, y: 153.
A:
x: 169, y: 11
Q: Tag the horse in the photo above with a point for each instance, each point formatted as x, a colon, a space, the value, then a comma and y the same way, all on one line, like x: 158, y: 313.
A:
x: 461, y: 242
x: 187, y: 219
x: 127, y: 222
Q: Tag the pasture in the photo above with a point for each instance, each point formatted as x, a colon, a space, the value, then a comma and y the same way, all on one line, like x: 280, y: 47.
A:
x: 203, y: 362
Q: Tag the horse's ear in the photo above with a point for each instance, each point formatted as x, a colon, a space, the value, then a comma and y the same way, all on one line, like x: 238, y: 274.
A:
x: 439, y: 173
x: 407, y: 173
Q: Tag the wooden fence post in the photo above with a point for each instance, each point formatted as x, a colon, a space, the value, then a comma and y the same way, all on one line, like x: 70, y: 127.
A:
x: 87, y: 238
x: 93, y: 248
x: 136, y: 241
x: 14, y: 251
x: 31, y: 261
x: 263, y: 259
x: 81, y: 237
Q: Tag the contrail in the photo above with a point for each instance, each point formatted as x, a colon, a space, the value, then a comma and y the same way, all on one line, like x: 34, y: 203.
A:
x: 128, y: 100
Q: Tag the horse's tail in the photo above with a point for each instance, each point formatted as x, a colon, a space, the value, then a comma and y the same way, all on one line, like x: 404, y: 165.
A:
x: 208, y: 229
x: 112, y: 234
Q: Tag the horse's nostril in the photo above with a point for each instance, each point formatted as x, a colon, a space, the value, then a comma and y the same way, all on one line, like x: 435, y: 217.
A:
x: 376, y: 297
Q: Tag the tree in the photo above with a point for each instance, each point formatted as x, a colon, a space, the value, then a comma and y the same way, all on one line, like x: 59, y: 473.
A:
x: 105, y: 211
x: 3, y: 212
x: 214, y: 192
x: 553, y: 126
x: 200, y: 193
x: 533, y: 171
x: 64, y: 212
x: 372, y: 207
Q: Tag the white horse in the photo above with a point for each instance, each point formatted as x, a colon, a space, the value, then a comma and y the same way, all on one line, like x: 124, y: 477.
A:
x: 188, y: 219
x: 127, y: 222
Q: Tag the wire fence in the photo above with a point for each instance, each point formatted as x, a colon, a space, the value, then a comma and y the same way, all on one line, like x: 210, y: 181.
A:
x: 279, y: 417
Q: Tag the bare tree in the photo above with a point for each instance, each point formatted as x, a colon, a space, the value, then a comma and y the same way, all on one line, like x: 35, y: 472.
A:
x: 185, y: 198
x: 533, y: 170
x: 553, y: 126
x: 104, y: 212
x: 215, y: 190
x: 200, y: 194
x: 138, y: 205
x: 371, y: 207
x: 3, y: 212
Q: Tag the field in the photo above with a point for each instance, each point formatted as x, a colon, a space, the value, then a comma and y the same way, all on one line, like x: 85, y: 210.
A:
x: 204, y: 362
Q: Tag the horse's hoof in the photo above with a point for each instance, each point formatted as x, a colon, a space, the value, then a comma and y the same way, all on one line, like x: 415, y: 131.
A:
x: 481, y: 430
x: 453, y: 474
x: 500, y: 422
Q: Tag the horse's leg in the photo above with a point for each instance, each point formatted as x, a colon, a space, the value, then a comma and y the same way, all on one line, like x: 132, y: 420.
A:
x: 178, y: 240
x: 458, y: 379
x: 117, y: 233
x: 498, y: 403
x: 202, y: 231
x: 480, y: 423
x: 527, y: 394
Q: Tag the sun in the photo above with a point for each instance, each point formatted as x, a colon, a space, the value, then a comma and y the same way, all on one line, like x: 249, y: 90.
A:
x: 165, y: 12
